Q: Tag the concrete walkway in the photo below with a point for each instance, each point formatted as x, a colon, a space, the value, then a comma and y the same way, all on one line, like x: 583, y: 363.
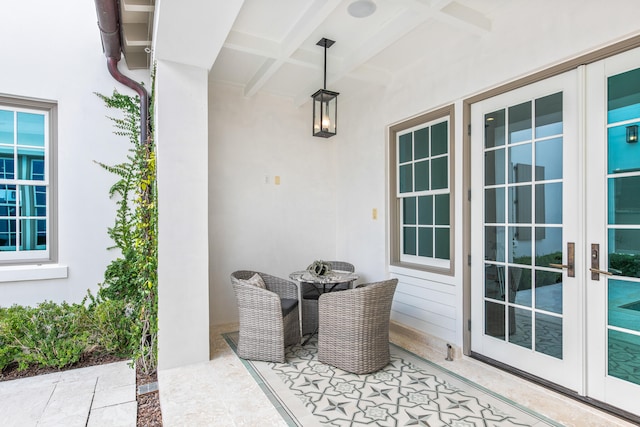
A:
x: 103, y: 395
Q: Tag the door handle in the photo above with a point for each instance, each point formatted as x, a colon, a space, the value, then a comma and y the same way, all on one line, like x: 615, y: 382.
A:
x: 595, y: 263
x: 598, y: 271
x: 570, y: 265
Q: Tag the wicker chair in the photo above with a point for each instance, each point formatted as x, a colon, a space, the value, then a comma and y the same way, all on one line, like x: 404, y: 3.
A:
x: 353, y: 334
x: 269, y: 319
x: 310, y: 294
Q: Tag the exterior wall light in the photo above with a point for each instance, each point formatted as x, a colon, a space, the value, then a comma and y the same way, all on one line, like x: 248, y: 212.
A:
x: 632, y: 133
x: 325, y: 103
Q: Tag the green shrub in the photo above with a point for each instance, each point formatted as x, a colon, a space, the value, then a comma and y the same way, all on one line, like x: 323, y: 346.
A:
x: 114, y: 327
x: 8, y: 351
x: 57, y: 335
x: 49, y: 335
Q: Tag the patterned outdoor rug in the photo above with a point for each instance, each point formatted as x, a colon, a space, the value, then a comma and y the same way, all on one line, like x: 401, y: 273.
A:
x: 410, y: 391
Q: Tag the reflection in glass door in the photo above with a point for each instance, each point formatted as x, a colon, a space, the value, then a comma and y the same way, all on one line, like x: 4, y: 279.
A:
x: 623, y: 226
x: 524, y: 302
x: 523, y: 224
x: 557, y: 291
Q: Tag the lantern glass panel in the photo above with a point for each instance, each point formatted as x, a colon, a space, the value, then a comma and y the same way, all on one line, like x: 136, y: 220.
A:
x: 325, y: 105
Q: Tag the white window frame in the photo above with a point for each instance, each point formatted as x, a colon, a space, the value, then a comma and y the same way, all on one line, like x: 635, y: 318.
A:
x: 396, y: 243
x: 48, y: 109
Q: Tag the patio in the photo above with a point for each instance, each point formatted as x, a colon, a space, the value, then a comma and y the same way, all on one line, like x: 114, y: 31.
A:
x: 222, y: 392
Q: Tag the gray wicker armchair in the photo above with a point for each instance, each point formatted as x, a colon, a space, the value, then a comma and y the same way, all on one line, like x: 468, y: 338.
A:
x: 269, y: 319
x: 353, y: 333
x: 310, y: 295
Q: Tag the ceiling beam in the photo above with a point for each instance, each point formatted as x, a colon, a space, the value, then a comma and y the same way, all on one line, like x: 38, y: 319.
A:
x: 396, y: 28
x: 453, y: 13
x: 312, y: 18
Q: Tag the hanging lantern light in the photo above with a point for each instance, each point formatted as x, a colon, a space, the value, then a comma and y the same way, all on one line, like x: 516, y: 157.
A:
x: 325, y: 103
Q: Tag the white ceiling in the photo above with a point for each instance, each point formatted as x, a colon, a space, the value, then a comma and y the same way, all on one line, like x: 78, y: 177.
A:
x: 272, y: 44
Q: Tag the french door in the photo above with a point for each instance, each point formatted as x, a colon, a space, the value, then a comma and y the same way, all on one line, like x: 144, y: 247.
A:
x: 555, y: 244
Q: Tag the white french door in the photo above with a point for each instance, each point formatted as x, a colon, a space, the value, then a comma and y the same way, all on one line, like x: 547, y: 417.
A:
x: 555, y: 243
x: 612, y: 180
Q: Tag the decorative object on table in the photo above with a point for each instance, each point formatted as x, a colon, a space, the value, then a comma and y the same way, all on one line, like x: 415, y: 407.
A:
x: 353, y: 327
x: 319, y: 268
x: 269, y: 316
x: 311, y: 293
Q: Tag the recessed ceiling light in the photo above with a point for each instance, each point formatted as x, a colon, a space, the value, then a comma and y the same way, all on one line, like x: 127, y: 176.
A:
x: 361, y: 8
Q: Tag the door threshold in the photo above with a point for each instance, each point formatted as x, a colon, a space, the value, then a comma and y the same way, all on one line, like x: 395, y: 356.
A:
x: 620, y: 413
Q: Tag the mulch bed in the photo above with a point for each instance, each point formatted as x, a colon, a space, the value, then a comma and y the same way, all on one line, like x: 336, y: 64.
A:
x: 149, y: 413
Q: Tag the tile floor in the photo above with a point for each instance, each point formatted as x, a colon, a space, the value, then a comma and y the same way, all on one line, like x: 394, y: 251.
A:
x: 97, y: 396
x: 221, y: 392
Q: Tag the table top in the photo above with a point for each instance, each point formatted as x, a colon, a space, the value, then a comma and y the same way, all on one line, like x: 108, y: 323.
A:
x: 335, y: 276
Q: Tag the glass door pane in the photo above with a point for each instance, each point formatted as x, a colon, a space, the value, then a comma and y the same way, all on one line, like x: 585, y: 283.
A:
x: 623, y: 226
x: 523, y: 186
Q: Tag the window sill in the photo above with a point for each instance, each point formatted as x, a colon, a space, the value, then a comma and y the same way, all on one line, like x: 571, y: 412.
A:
x: 20, y: 273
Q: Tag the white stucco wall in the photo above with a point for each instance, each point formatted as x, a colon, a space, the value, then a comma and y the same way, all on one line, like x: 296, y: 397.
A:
x: 526, y: 37
x: 181, y: 135
x: 53, y: 52
x: 263, y: 136
x: 256, y: 224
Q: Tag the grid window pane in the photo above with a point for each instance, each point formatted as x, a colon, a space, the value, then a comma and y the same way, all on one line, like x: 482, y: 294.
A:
x: 422, y: 176
x: 520, y: 123
x: 494, y: 167
x: 409, y: 211
x: 421, y: 141
x: 549, y: 115
x: 494, y: 129
x: 409, y: 239
x: 425, y: 210
x: 442, y: 209
x: 439, y: 139
x: 623, y: 96
x: 442, y: 243
x: 406, y: 178
x: 30, y: 129
x: 549, y: 159
x: 6, y: 127
x: 425, y: 241
x: 405, y: 150
x: 494, y: 205
x: 439, y: 173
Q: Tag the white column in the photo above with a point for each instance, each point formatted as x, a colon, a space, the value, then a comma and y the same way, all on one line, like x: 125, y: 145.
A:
x: 183, y: 252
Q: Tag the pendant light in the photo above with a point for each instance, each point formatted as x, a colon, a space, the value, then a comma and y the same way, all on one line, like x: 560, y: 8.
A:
x: 325, y: 102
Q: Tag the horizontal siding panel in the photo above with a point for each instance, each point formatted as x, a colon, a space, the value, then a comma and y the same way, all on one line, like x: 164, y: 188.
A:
x: 445, y: 322
x: 427, y: 284
x: 425, y: 327
x: 397, y: 271
x: 428, y: 294
x: 426, y: 305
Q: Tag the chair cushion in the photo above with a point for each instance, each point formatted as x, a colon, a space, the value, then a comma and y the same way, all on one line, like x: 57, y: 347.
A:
x: 311, y: 294
x: 288, y: 304
x: 255, y: 280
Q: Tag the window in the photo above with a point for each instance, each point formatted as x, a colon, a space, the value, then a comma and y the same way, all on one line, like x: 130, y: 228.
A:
x: 421, y: 198
x: 26, y: 173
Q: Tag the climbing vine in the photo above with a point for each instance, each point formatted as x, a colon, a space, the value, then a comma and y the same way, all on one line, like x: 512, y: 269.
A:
x: 133, y: 276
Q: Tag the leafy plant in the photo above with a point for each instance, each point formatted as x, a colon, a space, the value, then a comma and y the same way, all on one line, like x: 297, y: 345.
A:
x: 133, y: 276
x: 625, y: 264
x: 48, y: 335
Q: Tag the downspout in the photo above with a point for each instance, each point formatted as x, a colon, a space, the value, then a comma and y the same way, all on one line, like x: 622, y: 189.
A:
x: 109, y: 25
